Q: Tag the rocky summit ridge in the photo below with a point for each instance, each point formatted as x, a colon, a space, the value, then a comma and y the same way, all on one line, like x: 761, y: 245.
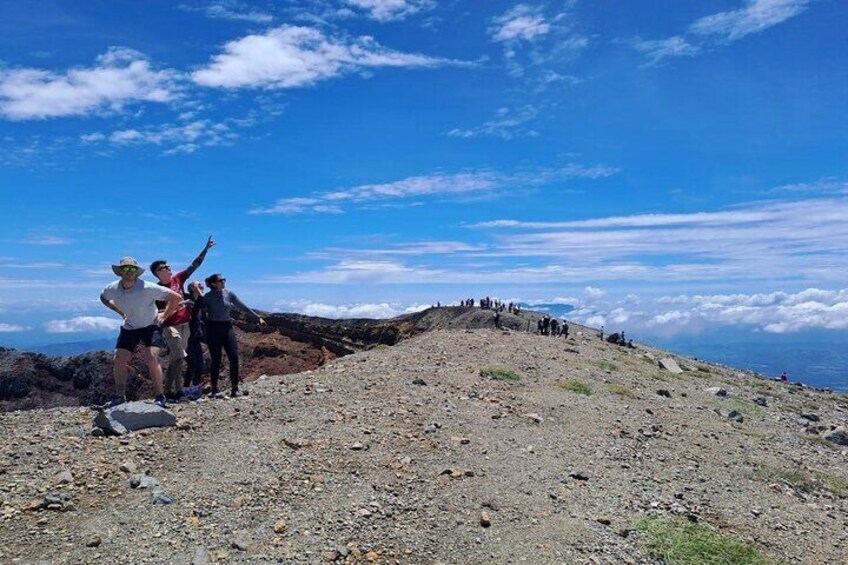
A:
x: 446, y: 442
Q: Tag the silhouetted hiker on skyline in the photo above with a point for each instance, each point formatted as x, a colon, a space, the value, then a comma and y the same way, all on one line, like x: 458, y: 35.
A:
x: 135, y: 301
x: 175, y: 329
x: 218, y: 304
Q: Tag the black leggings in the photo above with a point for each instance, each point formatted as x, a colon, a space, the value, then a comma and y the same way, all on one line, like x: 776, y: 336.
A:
x: 194, y: 361
x: 220, y: 335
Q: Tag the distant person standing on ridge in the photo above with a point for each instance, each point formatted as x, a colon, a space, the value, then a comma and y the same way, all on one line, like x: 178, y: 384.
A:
x: 783, y: 376
x: 192, y: 388
x: 218, y: 304
x: 135, y: 302
x: 175, y: 329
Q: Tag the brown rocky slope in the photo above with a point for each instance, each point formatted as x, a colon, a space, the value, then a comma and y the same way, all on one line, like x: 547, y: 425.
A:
x: 407, y: 454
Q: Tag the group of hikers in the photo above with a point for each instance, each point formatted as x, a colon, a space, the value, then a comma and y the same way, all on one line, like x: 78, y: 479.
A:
x: 491, y: 304
x: 553, y: 327
x: 163, y: 315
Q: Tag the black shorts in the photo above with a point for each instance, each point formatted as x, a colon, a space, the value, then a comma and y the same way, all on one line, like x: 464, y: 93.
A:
x: 151, y: 336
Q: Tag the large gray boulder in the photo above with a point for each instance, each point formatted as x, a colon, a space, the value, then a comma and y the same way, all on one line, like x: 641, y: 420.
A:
x: 670, y: 365
x: 132, y: 416
x: 838, y: 435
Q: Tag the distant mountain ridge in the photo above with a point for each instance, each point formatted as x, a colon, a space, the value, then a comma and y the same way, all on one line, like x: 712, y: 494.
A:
x: 74, y: 347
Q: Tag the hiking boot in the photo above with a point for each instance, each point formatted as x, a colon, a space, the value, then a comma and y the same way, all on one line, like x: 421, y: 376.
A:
x: 116, y: 401
x: 160, y: 401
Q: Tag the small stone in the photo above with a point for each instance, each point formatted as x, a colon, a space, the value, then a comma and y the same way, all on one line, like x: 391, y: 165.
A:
x: 363, y: 513
x: 128, y: 467
x: 280, y: 526
x: 603, y: 520
x: 419, y: 382
x: 664, y: 392
x: 761, y: 401
x: 371, y: 556
x: 98, y: 432
x: 201, y: 556
x: 838, y: 435
x: 717, y: 391
x: 65, y: 478
x: 330, y: 555
x: 485, y: 521
x: 810, y: 416
x: 93, y: 541
x: 357, y: 446
x: 535, y: 417
x: 580, y: 476
x: 735, y: 416
x: 240, y: 542
x: 160, y: 497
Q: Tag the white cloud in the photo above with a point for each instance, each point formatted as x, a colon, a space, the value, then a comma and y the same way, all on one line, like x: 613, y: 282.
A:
x: 292, y: 56
x: 47, y: 240
x: 380, y: 310
x: 593, y: 293
x: 776, y: 312
x: 433, y: 185
x: 387, y: 10
x: 658, y: 49
x: 506, y: 124
x: 12, y: 328
x: 120, y: 77
x: 360, y: 272
x: 173, y: 138
x: 756, y: 16
x: 83, y: 324
x: 236, y: 11
x: 522, y: 22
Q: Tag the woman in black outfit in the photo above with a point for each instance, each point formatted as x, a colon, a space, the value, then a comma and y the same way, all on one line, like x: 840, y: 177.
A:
x: 218, y: 304
x: 192, y: 387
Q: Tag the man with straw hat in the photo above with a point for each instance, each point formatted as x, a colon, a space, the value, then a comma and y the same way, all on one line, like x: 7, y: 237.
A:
x: 135, y: 301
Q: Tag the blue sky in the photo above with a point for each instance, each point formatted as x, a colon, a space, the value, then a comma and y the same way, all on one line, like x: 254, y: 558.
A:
x: 664, y: 166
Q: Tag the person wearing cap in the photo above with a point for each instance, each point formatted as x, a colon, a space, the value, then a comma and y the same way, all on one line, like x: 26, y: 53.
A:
x: 218, y: 304
x: 175, y: 330
x: 135, y: 301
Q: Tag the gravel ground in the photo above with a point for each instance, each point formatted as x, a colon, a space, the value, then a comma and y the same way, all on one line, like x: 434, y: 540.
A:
x: 405, y: 454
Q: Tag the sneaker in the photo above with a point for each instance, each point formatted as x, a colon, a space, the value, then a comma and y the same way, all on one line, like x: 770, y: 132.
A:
x: 116, y: 401
x: 160, y: 401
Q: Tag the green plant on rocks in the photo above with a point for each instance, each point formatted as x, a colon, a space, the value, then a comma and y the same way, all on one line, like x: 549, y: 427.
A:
x: 499, y: 374
x: 621, y: 390
x: 807, y: 481
x: 606, y: 365
x: 575, y: 386
x: 677, y: 542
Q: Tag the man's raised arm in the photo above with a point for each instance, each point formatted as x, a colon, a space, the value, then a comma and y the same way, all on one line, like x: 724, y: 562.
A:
x: 199, y: 260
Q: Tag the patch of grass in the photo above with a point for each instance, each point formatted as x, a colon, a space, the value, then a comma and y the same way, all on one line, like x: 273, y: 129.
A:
x: 805, y: 481
x: 621, y: 390
x: 744, y: 407
x: 499, y: 374
x: 704, y: 369
x: 606, y: 365
x: 680, y: 543
x: 821, y: 441
x: 575, y: 386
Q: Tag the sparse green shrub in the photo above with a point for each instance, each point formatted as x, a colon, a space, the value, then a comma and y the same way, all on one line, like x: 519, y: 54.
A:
x: 805, y: 481
x: 681, y: 543
x: 704, y: 369
x: 575, y: 386
x: 499, y: 374
x: 606, y: 365
x: 821, y: 441
x: 621, y: 390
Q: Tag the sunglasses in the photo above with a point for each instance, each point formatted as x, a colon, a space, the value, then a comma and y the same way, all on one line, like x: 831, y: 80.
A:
x: 129, y: 269
x: 220, y: 281
x: 163, y: 267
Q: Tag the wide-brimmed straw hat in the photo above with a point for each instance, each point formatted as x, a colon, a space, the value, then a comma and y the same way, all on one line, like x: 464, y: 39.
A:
x: 127, y: 262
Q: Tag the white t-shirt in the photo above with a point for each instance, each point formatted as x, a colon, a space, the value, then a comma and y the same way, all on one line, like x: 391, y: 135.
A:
x: 138, y: 303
